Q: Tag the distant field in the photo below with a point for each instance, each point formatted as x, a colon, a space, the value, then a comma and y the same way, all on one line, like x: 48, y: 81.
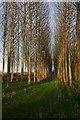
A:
x: 49, y: 98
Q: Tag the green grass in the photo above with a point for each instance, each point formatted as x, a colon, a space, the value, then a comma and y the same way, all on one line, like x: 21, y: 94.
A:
x: 48, y: 98
x: 0, y: 97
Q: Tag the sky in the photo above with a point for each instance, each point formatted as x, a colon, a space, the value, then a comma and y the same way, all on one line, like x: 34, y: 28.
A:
x: 51, y: 18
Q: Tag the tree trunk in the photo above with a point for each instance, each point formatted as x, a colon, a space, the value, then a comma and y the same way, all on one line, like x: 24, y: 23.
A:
x: 12, y: 56
x: 9, y: 45
x: 35, y: 65
x: 5, y: 30
x: 59, y: 71
x: 38, y: 53
x: 69, y: 56
x: 78, y: 42
x: 23, y: 44
x: 18, y: 53
x: 35, y: 50
x: 30, y: 47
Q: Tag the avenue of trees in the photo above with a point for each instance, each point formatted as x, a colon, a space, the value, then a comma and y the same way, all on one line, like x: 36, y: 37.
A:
x: 67, y: 42
x: 25, y: 40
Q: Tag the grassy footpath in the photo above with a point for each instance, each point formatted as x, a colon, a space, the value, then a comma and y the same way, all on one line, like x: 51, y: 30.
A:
x: 48, y: 98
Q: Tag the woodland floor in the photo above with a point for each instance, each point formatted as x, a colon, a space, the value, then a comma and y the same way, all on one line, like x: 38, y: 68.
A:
x: 49, y: 98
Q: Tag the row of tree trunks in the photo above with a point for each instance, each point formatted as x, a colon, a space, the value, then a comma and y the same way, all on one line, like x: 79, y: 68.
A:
x: 64, y: 72
x: 67, y: 58
x: 25, y: 42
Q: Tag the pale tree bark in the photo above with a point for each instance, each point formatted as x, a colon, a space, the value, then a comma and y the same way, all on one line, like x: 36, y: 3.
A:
x: 75, y: 59
x: 66, y: 70
x: 35, y: 49
x: 12, y: 52
x: 35, y: 56
x: 35, y: 65
x: 63, y: 54
x: 12, y: 61
x: 69, y: 56
x: 59, y: 71
x: 38, y: 53
x: 18, y: 52
x: 30, y: 47
x: 45, y: 72
x: 9, y: 43
x: 41, y: 69
x: 65, y: 75
x: 63, y: 64
x: 23, y: 45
